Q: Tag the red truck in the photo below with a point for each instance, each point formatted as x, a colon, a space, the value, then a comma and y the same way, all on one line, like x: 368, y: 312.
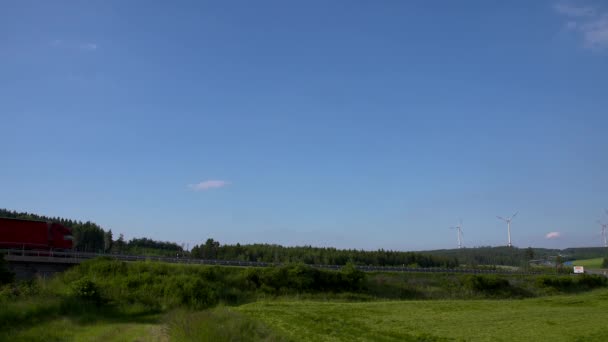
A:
x: 28, y: 234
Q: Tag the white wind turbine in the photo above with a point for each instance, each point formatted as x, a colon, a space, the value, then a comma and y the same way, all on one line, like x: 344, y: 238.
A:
x: 508, y: 220
x: 604, y: 228
x: 459, y: 233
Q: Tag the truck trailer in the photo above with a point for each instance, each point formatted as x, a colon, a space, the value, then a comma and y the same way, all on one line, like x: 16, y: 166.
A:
x: 30, y: 234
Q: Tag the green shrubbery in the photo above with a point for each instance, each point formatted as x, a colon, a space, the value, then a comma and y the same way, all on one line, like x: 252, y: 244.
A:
x: 6, y: 276
x: 86, y: 290
x: 486, y: 283
x: 298, y: 278
x: 162, y: 286
x: 576, y: 283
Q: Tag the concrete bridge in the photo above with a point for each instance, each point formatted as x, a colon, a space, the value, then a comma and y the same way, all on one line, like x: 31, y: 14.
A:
x: 28, y: 264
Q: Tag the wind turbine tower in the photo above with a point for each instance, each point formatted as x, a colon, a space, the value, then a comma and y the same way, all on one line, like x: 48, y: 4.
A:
x: 604, y: 228
x: 459, y: 233
x: 508, y: 220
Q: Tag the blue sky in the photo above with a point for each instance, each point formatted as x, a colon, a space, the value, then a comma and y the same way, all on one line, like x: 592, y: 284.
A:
x: 356, y: 124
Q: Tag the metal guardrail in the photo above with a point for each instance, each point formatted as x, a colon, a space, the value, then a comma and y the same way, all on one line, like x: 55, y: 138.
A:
x: 76, y: 257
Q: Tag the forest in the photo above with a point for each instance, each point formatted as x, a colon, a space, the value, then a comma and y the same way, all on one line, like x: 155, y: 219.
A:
x: 90, y: 237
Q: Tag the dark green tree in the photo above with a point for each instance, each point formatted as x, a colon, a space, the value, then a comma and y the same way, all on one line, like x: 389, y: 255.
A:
x: 120, y: 244
x: 6, y: 276
x: 529, y: 253
x: 107, y: 241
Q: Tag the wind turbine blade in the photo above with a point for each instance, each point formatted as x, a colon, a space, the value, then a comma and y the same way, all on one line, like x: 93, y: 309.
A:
x: 500, y: 218
x: 514, y: 214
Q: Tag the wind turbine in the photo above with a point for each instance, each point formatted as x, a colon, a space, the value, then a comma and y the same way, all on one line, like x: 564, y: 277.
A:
x: 459, y: 233
x: 508, y: 220
x: 604, y: 227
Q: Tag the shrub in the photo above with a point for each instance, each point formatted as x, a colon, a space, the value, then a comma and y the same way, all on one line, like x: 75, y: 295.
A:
x: 87, y: 290
x: 353, y: 277
x: 591, y: 281
x: 486, y: 283
x: 6, y: 276
x: 558, y: 283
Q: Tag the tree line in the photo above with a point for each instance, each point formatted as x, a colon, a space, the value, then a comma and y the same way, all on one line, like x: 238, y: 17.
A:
x: 271, y: 253
x: 90, y: 237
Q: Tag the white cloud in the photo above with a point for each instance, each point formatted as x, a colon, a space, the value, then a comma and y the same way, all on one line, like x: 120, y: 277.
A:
x: 553, y: 235
x: 595, y: 32
x: 209, y: 184
x: 67, y: 45
x: 574, y: 11
x: 89, y: 46
x: 590, y: 22
x: 571, y: 25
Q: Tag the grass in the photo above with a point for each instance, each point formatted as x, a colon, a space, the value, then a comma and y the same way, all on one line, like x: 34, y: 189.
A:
x: 578, y: 317
x: 218, y: 324
x: 104, y: 300
x: 47, y: 319
x: 559, y: 318
x: 68, y: 330
x: 589, y: 263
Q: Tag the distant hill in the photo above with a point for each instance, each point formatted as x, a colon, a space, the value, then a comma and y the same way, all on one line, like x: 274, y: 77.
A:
x: 513, y: 256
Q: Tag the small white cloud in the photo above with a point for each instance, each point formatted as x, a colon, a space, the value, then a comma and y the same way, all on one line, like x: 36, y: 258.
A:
x: 590, y: 22
x: 595, y: 32
x: 553, y: 235
x: 89, y: 46
x: 209, y: 184
x: 71, y: 46
x: 574, y: 11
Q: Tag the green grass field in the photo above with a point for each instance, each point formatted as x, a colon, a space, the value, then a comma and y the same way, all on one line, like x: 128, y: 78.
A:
x: 578, y: 317
x: 104, y: 300
x: 560, y: 318
x: 589, y: 263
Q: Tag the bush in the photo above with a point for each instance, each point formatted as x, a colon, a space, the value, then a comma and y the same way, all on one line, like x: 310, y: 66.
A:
x: 558, y: 283
x: 6, y: 276
x: 87, y: 290
x: 353, y: 277
x: 591, y: 281
x: 486, y: 283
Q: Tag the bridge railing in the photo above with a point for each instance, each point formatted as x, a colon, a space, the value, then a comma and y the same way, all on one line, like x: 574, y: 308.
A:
x: 75, y: 256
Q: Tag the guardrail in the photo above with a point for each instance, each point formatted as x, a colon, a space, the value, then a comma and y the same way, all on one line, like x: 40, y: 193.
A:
x: 75, y: 257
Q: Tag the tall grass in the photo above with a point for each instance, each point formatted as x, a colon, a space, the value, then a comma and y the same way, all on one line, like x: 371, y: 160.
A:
x: 219, y: 324
x: 110, y: 291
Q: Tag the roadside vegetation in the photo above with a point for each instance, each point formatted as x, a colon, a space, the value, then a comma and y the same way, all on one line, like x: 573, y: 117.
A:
x: 196, y: 303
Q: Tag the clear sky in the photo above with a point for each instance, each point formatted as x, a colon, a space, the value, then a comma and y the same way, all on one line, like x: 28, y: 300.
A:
x: 362, y: 124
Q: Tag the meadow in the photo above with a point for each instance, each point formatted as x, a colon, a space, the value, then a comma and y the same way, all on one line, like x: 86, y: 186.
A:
x: 105, y: 300
x: 594, y: 263
x: 559, y: 318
